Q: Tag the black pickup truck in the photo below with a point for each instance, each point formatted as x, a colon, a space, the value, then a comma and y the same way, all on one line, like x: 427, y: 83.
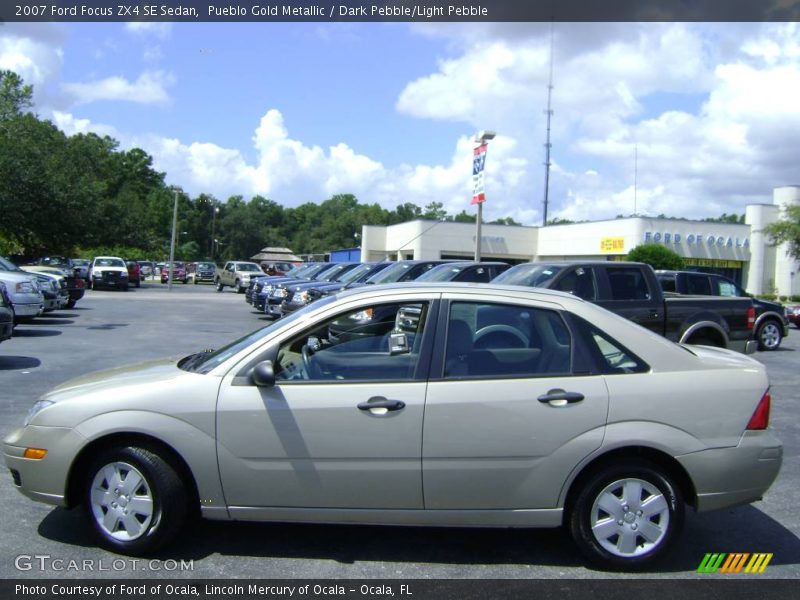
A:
x: 771, y: 324
x: 632, y: 291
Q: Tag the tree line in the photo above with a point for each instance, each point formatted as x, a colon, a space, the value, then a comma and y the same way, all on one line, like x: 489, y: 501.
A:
x: 82, y: 195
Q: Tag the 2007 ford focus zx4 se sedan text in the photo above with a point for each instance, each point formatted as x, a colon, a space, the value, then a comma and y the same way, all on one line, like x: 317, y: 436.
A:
x: 442, y: 404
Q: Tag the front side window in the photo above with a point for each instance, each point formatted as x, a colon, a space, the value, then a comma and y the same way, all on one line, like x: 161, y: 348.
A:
x: 579, y: 282
x: 627, y: 284
x: 374, y: 342
x: 499, y: 340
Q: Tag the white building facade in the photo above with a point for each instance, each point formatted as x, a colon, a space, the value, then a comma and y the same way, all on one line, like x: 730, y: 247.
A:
x: 741, y: 252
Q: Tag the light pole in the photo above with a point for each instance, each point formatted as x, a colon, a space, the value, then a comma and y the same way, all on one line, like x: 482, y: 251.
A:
x: 172, y: 241
x: 478, y: 163
x: 213, y: 224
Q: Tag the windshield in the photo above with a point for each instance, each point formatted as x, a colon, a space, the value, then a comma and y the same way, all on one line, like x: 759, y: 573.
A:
x: 7, y: 265
x: 356, y: 273
x: 529, y: 275
x: 109, y: 262
x: 390, y: 274
x: 249, y: 267
x: 205, y: 265
x: 203, y: 362
x: 53, y: 261
x: 442, y: 273
x: 80, y: 262
x: 332, y: 274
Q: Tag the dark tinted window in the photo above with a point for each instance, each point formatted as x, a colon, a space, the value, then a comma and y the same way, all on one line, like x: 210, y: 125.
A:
x: 580, y: 282
x: 627, y: 283
x: 698, y: 284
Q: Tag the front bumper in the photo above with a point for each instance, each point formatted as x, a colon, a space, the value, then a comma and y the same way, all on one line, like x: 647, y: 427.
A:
x: 725, y: 477
x: 29, y: 310
x: 44, y: 480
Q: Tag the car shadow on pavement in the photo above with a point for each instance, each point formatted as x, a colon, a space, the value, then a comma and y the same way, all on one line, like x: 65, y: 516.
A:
x: 49, y: 320
x: 18, y: 332
x: 14, y: 363
x: 743, y: 529
x: 61, y: 315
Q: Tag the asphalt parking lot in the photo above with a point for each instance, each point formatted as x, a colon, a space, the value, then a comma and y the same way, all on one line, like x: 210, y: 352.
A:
x: 109, y: 328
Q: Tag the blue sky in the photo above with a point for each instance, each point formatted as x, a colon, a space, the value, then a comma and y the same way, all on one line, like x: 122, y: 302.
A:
x: 298, y: 112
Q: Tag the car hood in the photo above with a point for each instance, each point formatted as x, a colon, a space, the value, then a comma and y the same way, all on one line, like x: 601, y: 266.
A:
x: 16, y: 277
x: 111, y: 268
x: 151, y: 373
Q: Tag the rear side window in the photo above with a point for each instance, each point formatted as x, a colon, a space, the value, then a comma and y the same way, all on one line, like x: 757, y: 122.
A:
x: 667, y: 283
x: 699, y: 285
x: 507, y: 341
x: 627, y: 284
x: 726, y: 288
x: 612, y: 357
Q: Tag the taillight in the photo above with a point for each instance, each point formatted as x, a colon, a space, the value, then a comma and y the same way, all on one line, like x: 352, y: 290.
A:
x: 760, y: 418
x: 79, y: 284
x: 751, y: 317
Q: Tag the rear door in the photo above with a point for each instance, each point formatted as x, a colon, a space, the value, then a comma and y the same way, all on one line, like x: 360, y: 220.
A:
x: 628, y: 294
x: 508, y: 413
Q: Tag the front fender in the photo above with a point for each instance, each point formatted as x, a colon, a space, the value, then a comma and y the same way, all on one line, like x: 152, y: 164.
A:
x: 194, y: 445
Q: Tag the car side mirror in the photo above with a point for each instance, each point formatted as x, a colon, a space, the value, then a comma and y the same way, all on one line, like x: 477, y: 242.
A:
x: 263, y: 374
x: 398, y: 344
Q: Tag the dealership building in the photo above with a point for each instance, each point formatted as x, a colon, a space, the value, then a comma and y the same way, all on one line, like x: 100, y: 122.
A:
x: 738, y: 251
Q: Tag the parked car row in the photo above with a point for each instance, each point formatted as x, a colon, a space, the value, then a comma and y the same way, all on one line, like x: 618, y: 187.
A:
x: 632, y: 290
x: 28, y: 292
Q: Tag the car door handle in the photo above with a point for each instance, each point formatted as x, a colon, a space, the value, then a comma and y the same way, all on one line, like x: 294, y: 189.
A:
x: 653, y: 314
x: 381, y: 402
x: 560, y: 397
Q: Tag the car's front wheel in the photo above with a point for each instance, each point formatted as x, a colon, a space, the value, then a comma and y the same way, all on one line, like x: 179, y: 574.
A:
x: 220, y: 287
x: 769, y: 335
x: 135, y: 500
x: 627, y: 515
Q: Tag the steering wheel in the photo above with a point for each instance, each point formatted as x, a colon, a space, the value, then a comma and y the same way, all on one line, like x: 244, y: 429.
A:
x: 312, y: 369
x: 503, y: 332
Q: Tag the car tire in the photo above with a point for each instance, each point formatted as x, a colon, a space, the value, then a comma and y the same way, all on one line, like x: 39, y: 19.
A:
x: 237, y: 286
x: 627, y: 515
x: 769, y: 335
x: 139, y: 516
x: 220, y: 287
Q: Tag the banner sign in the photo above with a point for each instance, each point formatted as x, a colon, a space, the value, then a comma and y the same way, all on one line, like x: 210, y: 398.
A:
x: 478, y: 163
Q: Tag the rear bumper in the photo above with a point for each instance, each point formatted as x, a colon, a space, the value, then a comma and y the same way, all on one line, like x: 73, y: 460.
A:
x: 725, y: 477
x: 29, y: 310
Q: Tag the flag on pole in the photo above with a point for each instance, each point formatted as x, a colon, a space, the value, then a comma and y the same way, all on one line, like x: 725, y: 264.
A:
x: 478, y: 163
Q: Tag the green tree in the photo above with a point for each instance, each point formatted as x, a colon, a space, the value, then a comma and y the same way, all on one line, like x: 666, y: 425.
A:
x: 434, y: 211
x: 787, y: 230
x: 15, y: 96
x: 657, y: 256
x: 726, y: 218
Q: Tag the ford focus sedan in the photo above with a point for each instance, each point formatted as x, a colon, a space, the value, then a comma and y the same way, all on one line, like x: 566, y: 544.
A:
x: 444, y: 404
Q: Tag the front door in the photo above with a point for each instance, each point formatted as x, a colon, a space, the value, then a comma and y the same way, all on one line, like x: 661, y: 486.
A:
x: 312, y: 440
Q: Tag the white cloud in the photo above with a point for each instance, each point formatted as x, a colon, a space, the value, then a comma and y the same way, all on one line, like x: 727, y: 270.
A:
x: 149, y: 88
x: 145, y: 28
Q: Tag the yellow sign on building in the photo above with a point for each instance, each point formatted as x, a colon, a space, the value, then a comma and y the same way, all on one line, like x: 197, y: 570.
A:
x: 612, y: 245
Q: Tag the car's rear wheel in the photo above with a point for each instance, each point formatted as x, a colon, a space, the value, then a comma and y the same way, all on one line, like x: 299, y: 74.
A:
x: 134, y: 499
x: 627, y: 515
x: 769, y: 335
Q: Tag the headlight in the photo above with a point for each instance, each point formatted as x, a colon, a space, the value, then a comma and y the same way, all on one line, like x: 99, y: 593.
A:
x: 245, y: 277
x: 96, y: 274
x: 34, y: 410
